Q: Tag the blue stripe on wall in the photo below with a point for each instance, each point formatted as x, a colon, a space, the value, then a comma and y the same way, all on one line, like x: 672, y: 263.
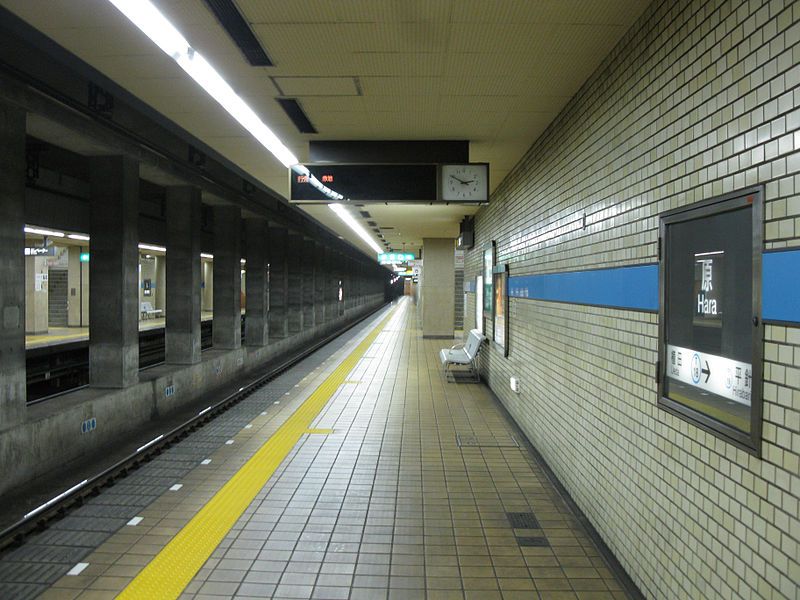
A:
x: 624, y: 287
x: 780, y: 286
x: 636, y: 287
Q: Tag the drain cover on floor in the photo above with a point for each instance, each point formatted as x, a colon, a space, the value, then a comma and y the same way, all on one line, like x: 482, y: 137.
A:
x: 465, y: 440
x: 522, y: 520
x: 532, y: 541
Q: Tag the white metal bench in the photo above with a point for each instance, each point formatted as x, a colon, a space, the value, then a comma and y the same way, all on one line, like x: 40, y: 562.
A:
x: 148, y: 312
x: 463, y: 355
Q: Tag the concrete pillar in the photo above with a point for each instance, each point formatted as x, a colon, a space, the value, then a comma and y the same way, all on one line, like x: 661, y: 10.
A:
x: 309, y: 258
x: 36, y: 296
x: 114, y: 273
x: 257, y: 291
x: 207, y: 296
x: 183, y: 280
x: 438, y: 280
x: 320, y: 279
x: 347, y: 282
x: 295, y: 289
x: 12, y: 266
x: 278, y: 284
x: 359, y: 272
x: 76, y: 279
x: 160, y: 284
x: 227, y: 328
x: 338, y: 284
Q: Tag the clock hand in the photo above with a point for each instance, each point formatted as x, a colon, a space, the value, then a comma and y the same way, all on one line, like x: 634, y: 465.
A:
x: 467, y: 182
x: 457, y: 179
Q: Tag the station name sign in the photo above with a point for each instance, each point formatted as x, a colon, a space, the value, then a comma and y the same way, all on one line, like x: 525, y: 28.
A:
x: 708, y: 288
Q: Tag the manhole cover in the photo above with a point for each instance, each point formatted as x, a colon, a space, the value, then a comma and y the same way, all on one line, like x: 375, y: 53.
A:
x: 532, y: 541
x: 486, y: 441
x: 522, y: 520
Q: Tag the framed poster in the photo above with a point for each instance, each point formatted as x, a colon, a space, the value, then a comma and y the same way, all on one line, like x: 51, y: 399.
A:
x: 710, y: 333
x: 488, y: 265
x: 500, y: 286
x: 479, y: 303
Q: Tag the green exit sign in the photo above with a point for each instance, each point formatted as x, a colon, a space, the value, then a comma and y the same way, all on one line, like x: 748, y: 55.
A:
x: 84, y: 257
x: 394, y: 257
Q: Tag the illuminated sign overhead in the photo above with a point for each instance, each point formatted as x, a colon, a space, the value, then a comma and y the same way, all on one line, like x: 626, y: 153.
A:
x: 388, y: 258
x: 39, y: 251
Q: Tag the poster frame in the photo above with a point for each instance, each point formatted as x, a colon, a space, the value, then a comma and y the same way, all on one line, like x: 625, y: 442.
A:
x: 489, y: 257
x: 500, y: 288
x: 752, y: 197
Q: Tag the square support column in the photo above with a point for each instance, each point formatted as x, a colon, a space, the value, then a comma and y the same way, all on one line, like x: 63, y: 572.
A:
x: 320, y: 302
x: 256, y: 287
x: 182, y: 336
x: 309, y: 258
x: 278, y: 284
x: 114, y: 273
x: 337, y: 271
x: 438, y: 282
x: 295, y: 288
x: 347, y: 282
x: 227, y: 328
x: 12, y: 266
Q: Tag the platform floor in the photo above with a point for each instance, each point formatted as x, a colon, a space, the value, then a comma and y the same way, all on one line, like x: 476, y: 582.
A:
x: 370, y: 478
x: 64, y: 335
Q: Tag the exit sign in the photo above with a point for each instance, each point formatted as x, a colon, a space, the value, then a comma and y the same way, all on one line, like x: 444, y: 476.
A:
x: 388, y: 258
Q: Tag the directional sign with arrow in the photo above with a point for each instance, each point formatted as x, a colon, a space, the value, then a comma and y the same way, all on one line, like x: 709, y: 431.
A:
x: 724, y: 377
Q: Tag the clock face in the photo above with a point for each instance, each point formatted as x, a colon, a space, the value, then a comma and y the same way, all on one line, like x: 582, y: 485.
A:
x: 465, y: 182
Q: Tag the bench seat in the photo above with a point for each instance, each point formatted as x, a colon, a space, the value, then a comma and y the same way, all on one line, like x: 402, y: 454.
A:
x: 463, y: 355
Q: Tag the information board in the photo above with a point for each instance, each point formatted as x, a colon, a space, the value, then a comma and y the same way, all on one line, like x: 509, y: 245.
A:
x: 500, y: 284
x: 479, y: 303
x: 710, y: 332
x: 488, y: 266
x: 379, y: 183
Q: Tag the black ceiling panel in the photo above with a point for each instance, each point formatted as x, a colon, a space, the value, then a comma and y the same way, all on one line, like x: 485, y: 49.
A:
x: 296, y: 113
x: 233, y: 22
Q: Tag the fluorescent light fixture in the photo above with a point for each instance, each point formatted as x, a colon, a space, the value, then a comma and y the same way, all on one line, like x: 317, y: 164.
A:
x: 78, y: 236
x: 151, y: 247
x: 46, y: 232
x: 157, y: 27
x: 206, y: 255
x: 345, y: 216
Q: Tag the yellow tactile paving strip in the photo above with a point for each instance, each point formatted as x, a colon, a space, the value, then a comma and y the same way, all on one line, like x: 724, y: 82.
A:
x: 173, y: 568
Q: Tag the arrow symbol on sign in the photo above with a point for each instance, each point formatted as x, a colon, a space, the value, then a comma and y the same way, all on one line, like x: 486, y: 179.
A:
x: 707, y: 372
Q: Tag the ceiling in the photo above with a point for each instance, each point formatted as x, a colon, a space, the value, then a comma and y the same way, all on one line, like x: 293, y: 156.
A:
x: 494, y: 73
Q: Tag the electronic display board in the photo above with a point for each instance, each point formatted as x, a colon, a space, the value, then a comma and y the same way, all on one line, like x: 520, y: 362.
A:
x: 380, y: 183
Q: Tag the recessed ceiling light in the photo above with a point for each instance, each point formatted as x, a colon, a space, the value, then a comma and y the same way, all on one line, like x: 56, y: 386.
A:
x: 151, y: 247
x: 45, y: 232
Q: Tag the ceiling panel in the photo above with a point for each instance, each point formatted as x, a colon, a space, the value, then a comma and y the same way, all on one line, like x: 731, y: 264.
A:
x: 495, y: 73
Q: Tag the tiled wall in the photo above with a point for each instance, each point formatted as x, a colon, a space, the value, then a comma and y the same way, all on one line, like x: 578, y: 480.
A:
x: 699, y: 99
